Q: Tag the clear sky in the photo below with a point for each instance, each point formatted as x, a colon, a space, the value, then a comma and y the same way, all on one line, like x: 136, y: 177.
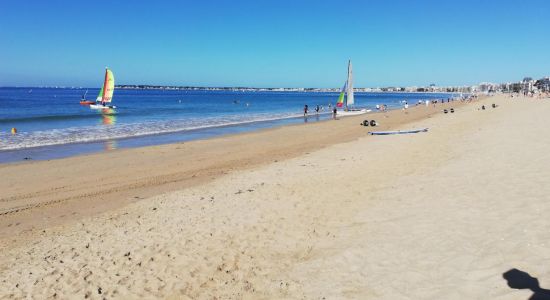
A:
x: 273, y: 43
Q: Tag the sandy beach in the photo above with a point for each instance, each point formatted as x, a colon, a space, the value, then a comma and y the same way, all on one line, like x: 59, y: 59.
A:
x: 66, y: 189
x: 313, y: 211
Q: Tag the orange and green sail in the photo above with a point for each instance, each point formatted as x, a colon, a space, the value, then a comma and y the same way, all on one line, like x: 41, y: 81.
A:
x: 108, y: 87
x: 340, y: 101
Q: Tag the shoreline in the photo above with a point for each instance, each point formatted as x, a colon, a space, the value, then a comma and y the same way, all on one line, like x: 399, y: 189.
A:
x: 38, y: 144
x: 66, y: 150
x: 59, y: 151
x: 64, y: 190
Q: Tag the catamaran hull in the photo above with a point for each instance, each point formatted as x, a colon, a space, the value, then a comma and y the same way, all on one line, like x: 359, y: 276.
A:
x: 96, y: 106
x: 343, y: 113
x: 86, y: 102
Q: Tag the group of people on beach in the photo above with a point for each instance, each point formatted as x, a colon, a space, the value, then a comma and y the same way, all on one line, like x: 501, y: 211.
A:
x: 539, y: 95
x: 306, y: 109
x: 405, y: 103
x: 381, y: 107
x: 319, y: 108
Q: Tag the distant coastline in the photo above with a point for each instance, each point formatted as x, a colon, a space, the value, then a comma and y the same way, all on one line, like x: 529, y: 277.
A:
x: 252, y: 89
x: 526, y: 86
x: 282, y: 89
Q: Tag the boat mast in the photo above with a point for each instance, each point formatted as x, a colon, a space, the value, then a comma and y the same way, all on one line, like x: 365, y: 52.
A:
x: 349, y: 92
x: 105, y: 85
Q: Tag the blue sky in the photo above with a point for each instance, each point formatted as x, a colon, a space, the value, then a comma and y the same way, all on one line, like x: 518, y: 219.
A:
x: 272, y: 43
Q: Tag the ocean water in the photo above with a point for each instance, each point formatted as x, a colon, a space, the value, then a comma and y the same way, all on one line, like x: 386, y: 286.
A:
x: 51, y: 123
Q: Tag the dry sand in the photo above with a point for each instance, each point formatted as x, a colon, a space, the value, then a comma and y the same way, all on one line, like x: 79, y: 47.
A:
x: 437, y: 215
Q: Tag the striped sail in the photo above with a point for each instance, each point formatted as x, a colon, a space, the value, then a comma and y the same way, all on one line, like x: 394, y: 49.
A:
x: 106, y: 92
x: 100, y: 95
x: 340, y: 102
x: 350, y: 99
x: 108, y: 86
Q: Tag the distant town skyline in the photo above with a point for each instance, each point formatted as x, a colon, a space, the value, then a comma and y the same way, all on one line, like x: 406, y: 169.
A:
x: 273, y: 44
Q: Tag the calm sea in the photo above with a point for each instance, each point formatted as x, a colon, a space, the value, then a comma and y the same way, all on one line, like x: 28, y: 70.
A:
x: 51, y: 123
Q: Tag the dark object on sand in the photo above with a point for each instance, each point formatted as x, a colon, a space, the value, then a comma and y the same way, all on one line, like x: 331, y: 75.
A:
x: 483, y: 107
x: 445, y: 111
x: 518, y: 279
x: 494, y: 105
x: 452, y: 110
x: 367, y: 123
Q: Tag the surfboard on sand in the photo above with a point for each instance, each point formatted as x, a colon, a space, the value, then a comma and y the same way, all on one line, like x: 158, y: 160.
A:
x: 398, y: 131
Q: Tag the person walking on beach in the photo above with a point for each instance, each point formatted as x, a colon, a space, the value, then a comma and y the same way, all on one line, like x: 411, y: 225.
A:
x: 305, y: 110
x: 317, y: 109
x: 334, y: 113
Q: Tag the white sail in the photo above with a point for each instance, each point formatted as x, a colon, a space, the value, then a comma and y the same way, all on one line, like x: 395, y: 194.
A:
x: 350, y: 99
x: 348, y: 110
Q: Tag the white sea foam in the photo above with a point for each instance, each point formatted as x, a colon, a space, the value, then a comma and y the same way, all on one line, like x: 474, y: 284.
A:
x: 117, y: 131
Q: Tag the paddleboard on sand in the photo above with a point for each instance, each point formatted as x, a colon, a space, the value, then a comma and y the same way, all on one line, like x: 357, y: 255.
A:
x: 398, y: 131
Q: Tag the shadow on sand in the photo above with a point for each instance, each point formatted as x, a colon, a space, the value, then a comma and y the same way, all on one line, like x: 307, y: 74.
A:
x: 522, y: 280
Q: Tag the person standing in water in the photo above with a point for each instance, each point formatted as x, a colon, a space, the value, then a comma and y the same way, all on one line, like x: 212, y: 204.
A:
x: 305, y: 110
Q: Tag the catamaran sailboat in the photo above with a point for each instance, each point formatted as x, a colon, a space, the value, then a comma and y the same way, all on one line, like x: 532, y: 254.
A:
x: 346, y: 99
x: 106, y: 93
